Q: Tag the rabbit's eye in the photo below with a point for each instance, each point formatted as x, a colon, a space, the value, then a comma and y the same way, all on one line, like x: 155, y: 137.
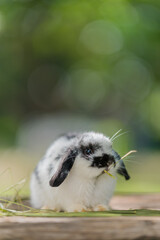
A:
x: 88, y: 151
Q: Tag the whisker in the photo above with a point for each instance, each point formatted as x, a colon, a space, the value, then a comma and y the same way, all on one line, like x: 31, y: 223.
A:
x: 115, y: 134
x: 119, y: 135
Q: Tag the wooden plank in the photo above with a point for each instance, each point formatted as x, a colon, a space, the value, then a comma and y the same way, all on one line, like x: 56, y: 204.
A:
x: 122, y: 228
x: 136, y: 201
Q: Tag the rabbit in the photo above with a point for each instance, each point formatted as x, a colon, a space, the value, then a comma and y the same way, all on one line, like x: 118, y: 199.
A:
x: 71, y: 175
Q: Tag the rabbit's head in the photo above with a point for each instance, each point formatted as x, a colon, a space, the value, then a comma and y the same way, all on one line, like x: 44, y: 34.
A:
x: 89, y: 155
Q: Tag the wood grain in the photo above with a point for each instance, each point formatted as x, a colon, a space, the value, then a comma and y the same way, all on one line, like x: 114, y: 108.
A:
x: 80, y: 228
x: 136, y: 201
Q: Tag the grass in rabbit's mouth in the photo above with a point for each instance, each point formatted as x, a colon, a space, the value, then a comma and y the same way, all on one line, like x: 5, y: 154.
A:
x: 132, y: 151
x: 127, y: 154
x: 109, y: 174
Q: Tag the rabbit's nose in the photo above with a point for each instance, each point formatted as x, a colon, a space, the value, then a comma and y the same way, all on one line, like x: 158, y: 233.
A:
x: 109, y: 159
x: 103, y: 161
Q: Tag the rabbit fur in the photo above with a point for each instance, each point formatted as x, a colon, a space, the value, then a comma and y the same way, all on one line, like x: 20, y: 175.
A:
x: 71, y: 175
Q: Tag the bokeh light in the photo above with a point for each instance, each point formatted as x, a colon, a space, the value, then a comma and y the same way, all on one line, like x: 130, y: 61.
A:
x: 154, y: 113
x: 86, y: 87
x: 132, y: 78
x: 102, y: 37
x: 42, y: 85
x: 1, y: 22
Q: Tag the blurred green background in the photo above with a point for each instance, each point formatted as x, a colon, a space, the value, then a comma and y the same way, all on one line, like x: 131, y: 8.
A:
x: 79, y: 66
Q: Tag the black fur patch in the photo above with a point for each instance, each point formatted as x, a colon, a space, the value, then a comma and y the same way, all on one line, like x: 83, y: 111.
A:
x: 64, y: 168
x: 92, y: 147
x: 122, y: 171
x: 104, y: 161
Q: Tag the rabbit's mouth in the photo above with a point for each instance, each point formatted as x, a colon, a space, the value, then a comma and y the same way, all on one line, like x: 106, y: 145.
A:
x: 109, y: 167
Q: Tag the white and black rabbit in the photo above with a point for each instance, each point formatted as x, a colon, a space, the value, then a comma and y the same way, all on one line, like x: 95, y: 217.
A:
x: 71, y: 175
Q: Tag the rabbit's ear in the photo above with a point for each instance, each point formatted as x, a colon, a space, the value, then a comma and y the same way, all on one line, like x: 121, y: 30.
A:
x: 123, y: 171
x: 64, y: 168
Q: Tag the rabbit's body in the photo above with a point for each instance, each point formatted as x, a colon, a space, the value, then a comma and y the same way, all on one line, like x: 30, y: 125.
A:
x: 71, y: 175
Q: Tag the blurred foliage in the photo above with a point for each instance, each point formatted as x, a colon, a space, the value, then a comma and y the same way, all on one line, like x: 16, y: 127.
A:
x: 95, y: 58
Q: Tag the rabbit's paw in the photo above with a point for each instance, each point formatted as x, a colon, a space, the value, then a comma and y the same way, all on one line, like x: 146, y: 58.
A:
x: 44, y: 207
x: 78, y: 208
x: 100, y: 208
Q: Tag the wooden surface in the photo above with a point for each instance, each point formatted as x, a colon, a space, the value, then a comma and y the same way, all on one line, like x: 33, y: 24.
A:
x: 134, y: 227
x: 139, y: 201
x: 80, y: 228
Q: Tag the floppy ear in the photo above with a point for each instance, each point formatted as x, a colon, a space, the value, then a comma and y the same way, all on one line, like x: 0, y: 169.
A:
x: 64, y: 168
x: 122, y: 170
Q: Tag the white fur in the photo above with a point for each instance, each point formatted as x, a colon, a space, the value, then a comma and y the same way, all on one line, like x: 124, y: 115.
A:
x: 85, y: 187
